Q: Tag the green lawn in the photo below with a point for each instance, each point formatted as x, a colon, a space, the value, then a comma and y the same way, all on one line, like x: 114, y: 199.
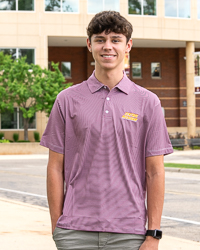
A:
x: 177, y: 165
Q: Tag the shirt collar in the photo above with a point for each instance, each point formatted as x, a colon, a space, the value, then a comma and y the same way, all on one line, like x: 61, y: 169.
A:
x: 94, y: 85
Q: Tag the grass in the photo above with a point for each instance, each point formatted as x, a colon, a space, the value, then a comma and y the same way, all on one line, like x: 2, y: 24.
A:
x: 178, y: 165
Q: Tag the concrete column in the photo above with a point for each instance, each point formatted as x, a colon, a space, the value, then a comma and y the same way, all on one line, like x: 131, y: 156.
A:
x: 191, y: 110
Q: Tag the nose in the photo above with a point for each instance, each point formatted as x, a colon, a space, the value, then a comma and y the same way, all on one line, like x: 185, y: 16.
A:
x: 107, y: 45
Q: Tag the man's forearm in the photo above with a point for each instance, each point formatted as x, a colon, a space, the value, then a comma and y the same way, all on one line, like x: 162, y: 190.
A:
x: 55, y: 195
x: 155, y: 198
x: 155, y: 181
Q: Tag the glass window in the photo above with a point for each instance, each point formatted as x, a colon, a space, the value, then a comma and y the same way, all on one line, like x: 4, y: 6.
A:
x: 111, y: 5
x: 17, y: 53
x: 184, y: 8
x: 197, y: 65
x: 26, y: 5
x: 52, y: 5
x: 62, y: 5
x: 95, y: 7
x: 9, y: 120
x: 15, y: 120
x: 198, y: 7
x: 70, y: 5
x: 142, y: 7
x: 66, y: 69
x: 155, y: 70
x: 29, y: 53
x: 170, y: 8
x: 12, y: 52
x: 135, y: 7
x: 149, y: 7
x: 136, y: 70
x: 177, y: 8
x: 8, y: 5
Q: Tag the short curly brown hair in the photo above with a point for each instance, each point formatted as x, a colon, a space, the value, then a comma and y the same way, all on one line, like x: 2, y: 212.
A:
x: 109, y: 21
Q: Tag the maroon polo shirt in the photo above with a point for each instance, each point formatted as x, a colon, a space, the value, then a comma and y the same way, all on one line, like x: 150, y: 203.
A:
x: 105, y: 137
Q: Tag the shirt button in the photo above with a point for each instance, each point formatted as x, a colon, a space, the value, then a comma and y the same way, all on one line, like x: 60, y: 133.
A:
x: 107, y: 111
x: 104, y: 87
x: 108, y: 98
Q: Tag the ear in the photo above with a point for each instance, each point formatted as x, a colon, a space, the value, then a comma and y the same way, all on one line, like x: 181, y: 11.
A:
x: 89, y: 45
x: 129, y: 45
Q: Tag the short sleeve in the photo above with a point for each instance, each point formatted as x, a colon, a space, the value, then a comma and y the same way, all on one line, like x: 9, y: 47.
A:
x: 157, y: 140
x: 54, y: 134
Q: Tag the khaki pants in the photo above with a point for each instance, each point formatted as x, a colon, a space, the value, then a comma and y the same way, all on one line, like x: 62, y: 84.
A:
x: 66, y: 239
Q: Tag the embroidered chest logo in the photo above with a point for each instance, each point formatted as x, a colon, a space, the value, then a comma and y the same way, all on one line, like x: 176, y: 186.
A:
x: 130, y: 116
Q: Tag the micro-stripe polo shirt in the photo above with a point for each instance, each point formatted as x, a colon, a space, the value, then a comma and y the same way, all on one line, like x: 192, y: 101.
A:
x: 105, y: 136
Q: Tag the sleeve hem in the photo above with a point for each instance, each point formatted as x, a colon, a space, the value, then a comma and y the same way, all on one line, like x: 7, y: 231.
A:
x: 164, y: 151
x: 54, y: 148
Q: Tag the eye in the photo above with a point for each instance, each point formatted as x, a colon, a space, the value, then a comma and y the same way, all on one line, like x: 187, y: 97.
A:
x: 99, y: 40
x: 115, y: 41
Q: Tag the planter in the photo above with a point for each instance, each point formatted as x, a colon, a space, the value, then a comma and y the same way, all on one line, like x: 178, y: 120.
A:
x: 22, y: 148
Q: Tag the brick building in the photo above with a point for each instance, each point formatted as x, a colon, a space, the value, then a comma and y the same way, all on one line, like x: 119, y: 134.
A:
x: 164, y: 32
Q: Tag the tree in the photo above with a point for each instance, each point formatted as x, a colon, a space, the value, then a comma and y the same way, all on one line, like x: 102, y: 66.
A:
x: 29, y: 87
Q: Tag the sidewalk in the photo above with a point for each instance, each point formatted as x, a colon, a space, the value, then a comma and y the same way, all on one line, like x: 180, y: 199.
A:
x: 27, y: 227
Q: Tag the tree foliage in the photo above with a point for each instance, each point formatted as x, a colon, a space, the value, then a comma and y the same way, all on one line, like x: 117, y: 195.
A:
x: 29, y: 87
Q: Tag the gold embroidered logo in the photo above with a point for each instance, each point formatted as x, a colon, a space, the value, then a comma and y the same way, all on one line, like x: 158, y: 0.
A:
x: 130, y: 116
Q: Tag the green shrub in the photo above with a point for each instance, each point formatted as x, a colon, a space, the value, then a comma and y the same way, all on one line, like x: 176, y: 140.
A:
x: 23, y: 141
x: 36, y: 136
x: 15, y: 137
x: 4, y: 141
x: 1, y: 136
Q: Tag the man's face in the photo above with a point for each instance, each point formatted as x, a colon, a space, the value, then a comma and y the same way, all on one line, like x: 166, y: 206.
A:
x: 109, y: 50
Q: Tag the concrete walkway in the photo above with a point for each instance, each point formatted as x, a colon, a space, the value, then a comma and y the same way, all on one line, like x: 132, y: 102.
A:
x: 184, y: 157
x: 27, y: 227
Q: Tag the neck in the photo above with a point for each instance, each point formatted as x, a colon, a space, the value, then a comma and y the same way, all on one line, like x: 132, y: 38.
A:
x: 109, y: 78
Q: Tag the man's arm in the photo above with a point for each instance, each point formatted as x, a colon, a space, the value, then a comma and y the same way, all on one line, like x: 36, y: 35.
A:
x: 155, y: 180
x: 55, y: 186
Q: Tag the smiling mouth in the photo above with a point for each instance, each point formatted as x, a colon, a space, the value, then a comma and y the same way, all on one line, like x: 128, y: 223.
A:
x: 108, y: 56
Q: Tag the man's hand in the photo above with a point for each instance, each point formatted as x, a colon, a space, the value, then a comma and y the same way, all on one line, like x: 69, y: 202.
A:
x: 150, y: 244
x: 53, y: 225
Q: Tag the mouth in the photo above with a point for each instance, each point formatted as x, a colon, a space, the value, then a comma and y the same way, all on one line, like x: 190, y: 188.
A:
x: 108, y: 56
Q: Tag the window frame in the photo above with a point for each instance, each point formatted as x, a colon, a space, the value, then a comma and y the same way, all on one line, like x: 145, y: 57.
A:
x: 19, y: 129
x: 93, y: 13
x: 142, y: 13
x: 29, y: 11
x: 136, y: 77
x: 63, y: 12
x: 156, y: 77
x: 184, y: 18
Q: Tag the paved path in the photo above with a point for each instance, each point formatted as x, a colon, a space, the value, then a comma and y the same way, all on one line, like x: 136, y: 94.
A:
x: 24, y: 226
x: 184, y: 157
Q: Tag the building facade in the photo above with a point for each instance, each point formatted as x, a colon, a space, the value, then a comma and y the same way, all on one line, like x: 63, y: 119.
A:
x: 165, y: 36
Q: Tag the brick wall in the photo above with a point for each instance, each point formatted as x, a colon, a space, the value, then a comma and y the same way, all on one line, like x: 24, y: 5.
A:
x: 78, y: 58
x: 166, y: 87
x: 170, y: 88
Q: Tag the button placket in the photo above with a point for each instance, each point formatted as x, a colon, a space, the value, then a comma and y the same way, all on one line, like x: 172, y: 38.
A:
x: 107, y: 110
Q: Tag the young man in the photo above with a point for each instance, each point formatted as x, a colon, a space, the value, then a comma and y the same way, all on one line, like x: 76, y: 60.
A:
x: 107, y: 137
